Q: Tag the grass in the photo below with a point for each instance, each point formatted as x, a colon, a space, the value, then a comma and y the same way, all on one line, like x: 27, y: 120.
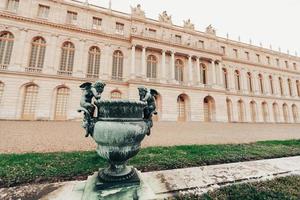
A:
x: 16, y: 169
x: 284, y: 188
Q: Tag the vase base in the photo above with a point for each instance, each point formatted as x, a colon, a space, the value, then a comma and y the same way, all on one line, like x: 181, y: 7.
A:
x: 109, y: 182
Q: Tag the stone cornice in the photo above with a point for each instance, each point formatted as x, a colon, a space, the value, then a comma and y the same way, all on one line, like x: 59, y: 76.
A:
x: 259, y: 65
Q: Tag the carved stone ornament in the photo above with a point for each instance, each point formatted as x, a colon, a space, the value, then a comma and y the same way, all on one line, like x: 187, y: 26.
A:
x: 165, y: 18
x: 188, y: 24
x: 210, y: 30
x: 118, y: 127
x: 137, y: 11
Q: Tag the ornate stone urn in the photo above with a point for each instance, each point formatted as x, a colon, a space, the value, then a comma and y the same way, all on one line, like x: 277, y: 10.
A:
x: 118, y: 127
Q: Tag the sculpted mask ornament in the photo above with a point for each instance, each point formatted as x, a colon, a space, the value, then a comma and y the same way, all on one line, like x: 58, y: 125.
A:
x: 165, y: 18
x: 137, y: 11
x: 210, y: 30
x: 188, y: 24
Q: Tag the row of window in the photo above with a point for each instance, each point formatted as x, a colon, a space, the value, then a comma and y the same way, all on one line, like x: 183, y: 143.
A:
x: 61, y: 101
x: 71, y: 16
x: 258, y: 57
x: 261, y: 83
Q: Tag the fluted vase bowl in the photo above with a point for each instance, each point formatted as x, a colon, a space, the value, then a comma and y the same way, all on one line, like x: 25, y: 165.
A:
x: 118, y: 132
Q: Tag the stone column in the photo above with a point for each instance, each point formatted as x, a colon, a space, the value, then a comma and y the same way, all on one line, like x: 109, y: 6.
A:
x: 51, y: 56
x: 220, y: 75
x: 190, y: 70
x: 244, y: 81
x: 163, y: 66
x: 143, y: 75
x: 172, y: 66
x: 17, y: 52
x: 132, y: 71
x: 107, y: 62
x: 78, y: 59
x: 231, y: 82
x: 256, y: 82
x: 294, y: 87
x: 198, y: 71
x: 267, y: 86
x: 213, y: 74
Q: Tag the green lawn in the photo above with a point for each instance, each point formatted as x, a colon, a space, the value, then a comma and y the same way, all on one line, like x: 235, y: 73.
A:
x: 284, y: 188
x: 16, y: 169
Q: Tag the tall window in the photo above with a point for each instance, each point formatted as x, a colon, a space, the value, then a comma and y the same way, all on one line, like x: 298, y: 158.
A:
x: 6, y: 45
x: 93, y: 62
x: 258, y: 57
x: 178, y: 38
x: 281, y: 86
x: 225, y: 78
x: 290, y: 87
x: 235, y: 52
x: 117, y: 68
x: 241, y: 111
x: 116, y: 94
x: 119, y: 28
x: 43, y: 11
x: 151, y: 66
x: 179, y: 70
x: 295, y: 113
x: 30, y: 101
x: 13, y: 5
x: 229, y: 110
x: 271, y: 84
x: 276, y: 112
x: 249, y: 82
x: 67, y: 59
x: 253, y: 110
x: 298, y: 87
x: 261, y: 83
x: 62, y: 97
x: 237, y: 79
x: 1, y: 91
x: 277, y: 62
x: 203, y: 73
x: 265, y: 111
x: 71, y: 18
x: 182, y: 112
x: 286, y: 64
x: 97, y: 22
x: 37, y: 55
x: 286, y: 114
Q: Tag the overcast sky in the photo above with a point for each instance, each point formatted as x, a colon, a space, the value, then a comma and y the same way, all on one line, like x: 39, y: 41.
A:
x: 275, y: 22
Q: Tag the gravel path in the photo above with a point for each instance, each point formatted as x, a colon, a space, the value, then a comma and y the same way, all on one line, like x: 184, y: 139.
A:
x: 39, y: 136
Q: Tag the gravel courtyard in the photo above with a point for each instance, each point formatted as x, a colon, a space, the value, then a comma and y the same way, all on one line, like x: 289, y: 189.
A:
x: 46, y: 136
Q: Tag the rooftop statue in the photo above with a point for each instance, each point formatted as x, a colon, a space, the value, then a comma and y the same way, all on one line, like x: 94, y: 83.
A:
x: 210, y: 30
x: 137, y: 11
x: 188, y: 24
x: 165, y: 18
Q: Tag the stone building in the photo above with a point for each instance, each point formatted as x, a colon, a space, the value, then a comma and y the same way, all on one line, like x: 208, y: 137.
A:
x: 49, y: 47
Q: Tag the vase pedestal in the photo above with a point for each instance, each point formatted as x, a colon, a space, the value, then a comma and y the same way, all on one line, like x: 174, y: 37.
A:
x: 133, y: 189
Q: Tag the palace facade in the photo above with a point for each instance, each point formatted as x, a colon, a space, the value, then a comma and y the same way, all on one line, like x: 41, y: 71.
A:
x: 49, y: 47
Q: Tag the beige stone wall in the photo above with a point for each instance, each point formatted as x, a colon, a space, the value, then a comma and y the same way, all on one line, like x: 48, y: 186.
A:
x: 137, y: 43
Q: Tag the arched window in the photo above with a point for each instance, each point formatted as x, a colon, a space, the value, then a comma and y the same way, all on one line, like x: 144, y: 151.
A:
x: 203, y: 74
x: 37, y: 55
x: 298, y: 87
x: 286, y: 115
x: 61, y: 105
x: 225, y: 78
x: 253, y: 109
x: 6, y: 46
x: 290, y: 87
x: 151, y: 66
x: 179, y: 70
x: 265, y: 111
x: 209, y: 109
x: 241, y: 111
x: 271, y: 84
x: 237, y: 79
x: 261, y: 83
x: 281, y: 86
x: 30, y: 101
x: 117, y: 68
x: 276, y: 112
x: 295, y: 113
x: 67, y: 59
x: 93, y: 62
x: 1, y: 91
x: 182, y: 107
x: 115, y: 94
x: 229, y: 110
x: 249, y: 82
